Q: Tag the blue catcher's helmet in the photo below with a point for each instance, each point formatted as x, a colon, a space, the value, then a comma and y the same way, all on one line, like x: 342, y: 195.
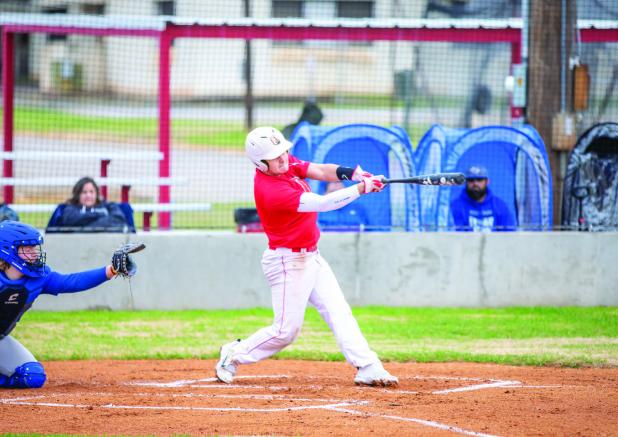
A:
x: 16, y: 234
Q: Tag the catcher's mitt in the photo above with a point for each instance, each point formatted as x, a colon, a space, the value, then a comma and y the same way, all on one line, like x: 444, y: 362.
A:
x: 122, y: 264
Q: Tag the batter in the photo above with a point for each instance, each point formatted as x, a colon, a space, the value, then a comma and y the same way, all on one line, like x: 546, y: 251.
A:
x: 293, y: 266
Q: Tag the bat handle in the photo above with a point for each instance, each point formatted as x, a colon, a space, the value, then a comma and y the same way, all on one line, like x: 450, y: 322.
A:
x: 385, y: 181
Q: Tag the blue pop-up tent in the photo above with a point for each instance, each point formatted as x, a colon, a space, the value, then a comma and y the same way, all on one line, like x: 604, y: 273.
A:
x: 376, y: 149
x: 517, y: 163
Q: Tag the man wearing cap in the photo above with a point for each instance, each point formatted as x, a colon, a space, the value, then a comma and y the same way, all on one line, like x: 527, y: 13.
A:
x: 477, y: 208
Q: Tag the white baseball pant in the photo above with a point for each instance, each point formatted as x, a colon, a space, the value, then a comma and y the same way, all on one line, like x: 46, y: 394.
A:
x: 296, y: 278
x: 12, y: 355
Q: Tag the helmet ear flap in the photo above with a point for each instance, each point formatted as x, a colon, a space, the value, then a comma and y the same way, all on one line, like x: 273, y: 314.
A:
x: 261, y: 165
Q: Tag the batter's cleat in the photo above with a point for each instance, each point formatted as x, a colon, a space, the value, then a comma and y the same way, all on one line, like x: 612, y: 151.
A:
x: 375, y: 375
x: 226, y: 369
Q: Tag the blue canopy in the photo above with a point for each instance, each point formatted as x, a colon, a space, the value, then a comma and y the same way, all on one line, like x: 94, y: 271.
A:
x: 376, y: 149
x: 517, y: 163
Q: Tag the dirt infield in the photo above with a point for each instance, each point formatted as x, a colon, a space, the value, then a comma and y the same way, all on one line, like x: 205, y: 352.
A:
x: 313, y: 398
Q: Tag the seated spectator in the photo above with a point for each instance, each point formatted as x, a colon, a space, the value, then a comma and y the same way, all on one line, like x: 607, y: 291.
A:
x: 88, y: 212
x: 351, y: 217
x: 477, y: 208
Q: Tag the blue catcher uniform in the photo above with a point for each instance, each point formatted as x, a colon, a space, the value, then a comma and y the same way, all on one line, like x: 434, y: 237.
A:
x: 18, y: 367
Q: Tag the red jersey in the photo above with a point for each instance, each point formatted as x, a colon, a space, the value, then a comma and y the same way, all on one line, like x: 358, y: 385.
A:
x: 277, y: 199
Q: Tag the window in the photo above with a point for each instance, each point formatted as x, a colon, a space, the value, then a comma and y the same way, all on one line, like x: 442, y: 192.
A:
x: 93, y: 8
x: 287, y: 9
x: 348, y: 9
x: 321, y: 9
x: 56, y: 10
x: 166, y: 7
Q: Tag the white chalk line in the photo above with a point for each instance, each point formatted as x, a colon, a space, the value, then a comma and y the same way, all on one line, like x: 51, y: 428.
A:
x: 257, y: 397
x: 336, y: 406
x: 24, y: 398
x: 261, y: 387
x: 477, y: 387
x: 328, y: 404
x: 429, y: 423
x: 282, y: 398
x: 455, y: 378
x: 192, y: 382
x: 196, y: 383
x: 167, y: 407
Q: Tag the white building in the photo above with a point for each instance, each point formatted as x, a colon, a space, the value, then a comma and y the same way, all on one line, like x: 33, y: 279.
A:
x: 204, y: 68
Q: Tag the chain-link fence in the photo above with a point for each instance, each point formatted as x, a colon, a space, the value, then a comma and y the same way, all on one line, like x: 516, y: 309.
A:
x: 89, y: 98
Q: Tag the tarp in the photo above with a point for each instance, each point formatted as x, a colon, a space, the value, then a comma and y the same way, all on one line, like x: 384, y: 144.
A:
x: 517, y: 163
x: 378, y: 150
x: 590, y: 195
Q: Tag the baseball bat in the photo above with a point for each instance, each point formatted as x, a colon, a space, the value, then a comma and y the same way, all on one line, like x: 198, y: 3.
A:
x: 430, y: 179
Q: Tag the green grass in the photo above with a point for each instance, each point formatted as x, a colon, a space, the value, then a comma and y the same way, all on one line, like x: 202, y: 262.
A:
x: 521, y: 336
x: 198, y: 133
x: 202, y: 133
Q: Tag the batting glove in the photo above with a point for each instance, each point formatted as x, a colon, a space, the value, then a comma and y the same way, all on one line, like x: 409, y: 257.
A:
x: 359, y: 174
x: 373, y: 184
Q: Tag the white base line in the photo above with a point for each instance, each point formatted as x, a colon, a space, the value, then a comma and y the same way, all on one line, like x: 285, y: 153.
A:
x: 282, y: 398
x: 24, y: 398
x: 331, y: 407
x: 419, y: 421
x: 478, y: 387
x: 151, y: 407
x: 192, y: 382
x: 334, y: 405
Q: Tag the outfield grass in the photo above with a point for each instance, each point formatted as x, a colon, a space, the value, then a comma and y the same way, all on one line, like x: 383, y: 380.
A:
x: 122, y: 129
x: 521, y: 336
x: 41, y: 121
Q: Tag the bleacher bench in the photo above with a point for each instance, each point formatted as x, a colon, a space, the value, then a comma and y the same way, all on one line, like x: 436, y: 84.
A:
x: 105, y: 158
x: 124, y: 183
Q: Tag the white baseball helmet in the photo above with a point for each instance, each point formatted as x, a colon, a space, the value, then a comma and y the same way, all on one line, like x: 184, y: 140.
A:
x: 265, y: 143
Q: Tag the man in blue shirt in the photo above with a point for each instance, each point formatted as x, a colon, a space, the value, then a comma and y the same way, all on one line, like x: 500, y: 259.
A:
x: 477, y: 208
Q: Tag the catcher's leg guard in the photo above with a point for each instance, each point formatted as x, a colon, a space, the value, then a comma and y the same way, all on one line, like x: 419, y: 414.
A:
x: 28, y: 375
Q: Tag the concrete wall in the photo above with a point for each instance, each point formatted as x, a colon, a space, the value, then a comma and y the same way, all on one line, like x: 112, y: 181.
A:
x: 182, y: 270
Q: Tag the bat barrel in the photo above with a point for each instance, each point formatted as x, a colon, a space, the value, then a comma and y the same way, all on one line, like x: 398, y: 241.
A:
x: 431, y: 179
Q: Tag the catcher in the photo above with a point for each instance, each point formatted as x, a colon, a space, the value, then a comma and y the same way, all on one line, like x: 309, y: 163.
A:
x: 23, y: 277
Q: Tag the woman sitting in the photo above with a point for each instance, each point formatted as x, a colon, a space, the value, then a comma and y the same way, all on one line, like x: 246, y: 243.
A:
x: 86, y: 211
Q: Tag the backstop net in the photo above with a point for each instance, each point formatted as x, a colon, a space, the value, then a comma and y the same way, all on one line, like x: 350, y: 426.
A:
x: 87, y: 88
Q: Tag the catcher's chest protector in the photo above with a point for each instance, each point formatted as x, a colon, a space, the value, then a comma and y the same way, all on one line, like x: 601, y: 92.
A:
x: 12, y: 306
